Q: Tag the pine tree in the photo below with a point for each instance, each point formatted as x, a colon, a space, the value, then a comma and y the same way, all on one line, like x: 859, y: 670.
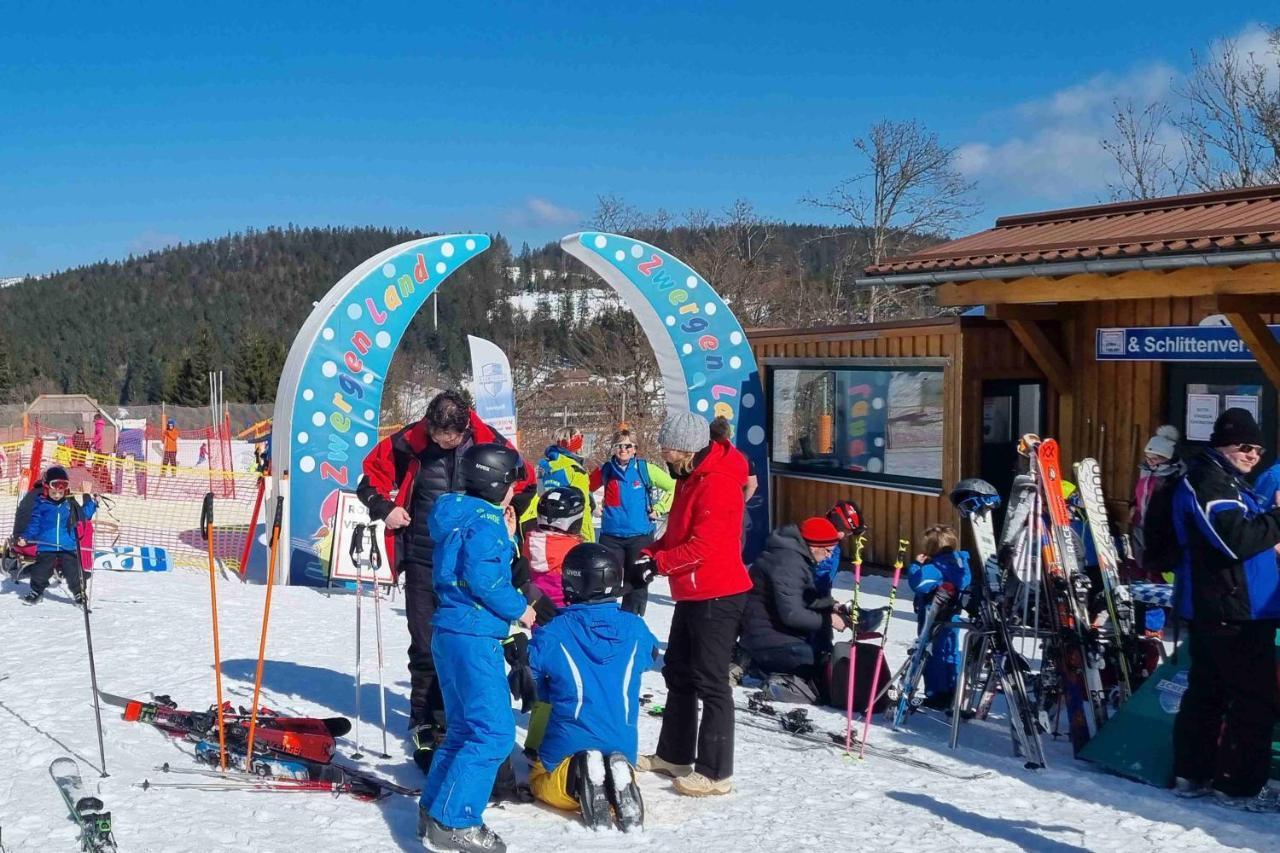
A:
x: 6, y: 378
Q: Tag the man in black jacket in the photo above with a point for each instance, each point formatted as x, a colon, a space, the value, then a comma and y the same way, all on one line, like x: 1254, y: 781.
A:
x: 787, y: 625
x: 1228, y: 587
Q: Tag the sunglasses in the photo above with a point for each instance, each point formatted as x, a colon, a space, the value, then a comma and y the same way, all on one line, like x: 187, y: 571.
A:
x: 624, y: 447
x: 1250, y: 448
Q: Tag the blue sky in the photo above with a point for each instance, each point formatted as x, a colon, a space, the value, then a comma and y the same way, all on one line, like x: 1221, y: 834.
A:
x: 124, y: 127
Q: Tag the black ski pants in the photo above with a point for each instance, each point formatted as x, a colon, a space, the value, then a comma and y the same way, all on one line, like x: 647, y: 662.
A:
x: 67, y: 562
x: 696, y: 667
x: 1223, y: 729
x: 426, y: 704
x: 626, y: 550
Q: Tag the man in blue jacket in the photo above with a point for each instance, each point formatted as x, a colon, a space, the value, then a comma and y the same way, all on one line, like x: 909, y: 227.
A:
x: 53, y: 527
x: 587, y: 664
x: 476, y: 605
x: 1227, y: 586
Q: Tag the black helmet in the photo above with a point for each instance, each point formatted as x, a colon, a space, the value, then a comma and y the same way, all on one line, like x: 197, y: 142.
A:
x: 488, y: 470
x: 971, y: 495
x: 562, y: 508
x: 847, y: 518
x: 590, y: 573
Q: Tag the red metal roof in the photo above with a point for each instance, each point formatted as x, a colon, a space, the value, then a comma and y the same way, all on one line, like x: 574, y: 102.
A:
x: 1231, y: 220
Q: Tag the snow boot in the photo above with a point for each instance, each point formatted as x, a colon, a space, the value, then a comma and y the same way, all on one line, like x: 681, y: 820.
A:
x: 32, y: 598
x: 1189, y: 789
x: 697, y: 785
x: 589, y: 786
x: 624, y: 793
x: 653, y: 764
x: 439, y: 838
x: 1265, y: 801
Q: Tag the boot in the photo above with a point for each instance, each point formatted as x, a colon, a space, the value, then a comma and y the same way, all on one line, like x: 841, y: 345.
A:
x: 32, y: 598
x: 472, y: 839
x: 654, y: 764
x: 587, y: 779
x: 697, y: 785
x: 425, y: 739
x: 624, y: 793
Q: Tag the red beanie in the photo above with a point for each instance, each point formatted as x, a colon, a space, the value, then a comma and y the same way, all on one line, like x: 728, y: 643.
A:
x: 819, y: 532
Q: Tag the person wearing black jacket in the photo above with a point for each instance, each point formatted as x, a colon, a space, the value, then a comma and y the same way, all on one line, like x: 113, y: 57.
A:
x: 1229, y: 588
x: 787, y: 625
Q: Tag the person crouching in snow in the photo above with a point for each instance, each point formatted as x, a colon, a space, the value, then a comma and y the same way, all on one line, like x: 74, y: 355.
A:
x: 52, y: 528
x: 939, y: 577
x: 788, y: 623
x: 587, y: 664
x: 476, y: 606
x: 559, y: 529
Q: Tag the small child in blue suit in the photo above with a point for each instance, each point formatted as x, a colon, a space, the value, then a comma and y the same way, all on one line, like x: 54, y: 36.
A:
x: 587, y: 664
x: 943, y: 570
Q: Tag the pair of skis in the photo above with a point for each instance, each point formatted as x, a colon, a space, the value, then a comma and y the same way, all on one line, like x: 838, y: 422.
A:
x: 88, y: 811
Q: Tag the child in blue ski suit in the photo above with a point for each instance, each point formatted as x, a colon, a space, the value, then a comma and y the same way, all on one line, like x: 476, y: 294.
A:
x: 587, y: 664
x: 54, y: 529
x: 943, y: 571
x: 476, y: 604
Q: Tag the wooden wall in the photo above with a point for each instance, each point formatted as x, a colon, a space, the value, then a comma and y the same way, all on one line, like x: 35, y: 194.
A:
x: 974, y: 347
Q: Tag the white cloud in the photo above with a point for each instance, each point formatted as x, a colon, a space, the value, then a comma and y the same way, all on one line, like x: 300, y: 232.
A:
x: 539, y: 212
x: 1052, y: 151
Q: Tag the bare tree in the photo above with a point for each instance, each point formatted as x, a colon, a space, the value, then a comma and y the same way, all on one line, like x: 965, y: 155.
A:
x: 908, y: 191
x: 1141, y: 153
x: 616, y: 216
x: 1230, y: 123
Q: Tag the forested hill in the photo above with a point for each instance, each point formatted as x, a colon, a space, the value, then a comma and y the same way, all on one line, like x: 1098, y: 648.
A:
x: 148, y: 328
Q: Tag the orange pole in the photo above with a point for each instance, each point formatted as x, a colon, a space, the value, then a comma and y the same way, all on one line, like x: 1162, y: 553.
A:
x: 262, y: 643
x: 207, y: 523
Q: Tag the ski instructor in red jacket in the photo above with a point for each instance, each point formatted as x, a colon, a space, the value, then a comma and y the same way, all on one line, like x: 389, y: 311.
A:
x: 701, y: 554
x: 403, y: 476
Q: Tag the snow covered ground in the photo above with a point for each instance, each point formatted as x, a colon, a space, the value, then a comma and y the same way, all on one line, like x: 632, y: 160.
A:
x: 151, y: 634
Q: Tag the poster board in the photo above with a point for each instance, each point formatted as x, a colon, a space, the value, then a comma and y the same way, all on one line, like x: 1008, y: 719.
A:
x: 1202, y: 411
x: 351, y: 512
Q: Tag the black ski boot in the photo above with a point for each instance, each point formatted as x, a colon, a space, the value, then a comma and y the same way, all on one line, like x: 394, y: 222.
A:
x: 439, y: 838
x: 426, y: 738
x: 588, y: 780
x: 624, y: 793
x: 32, y: 598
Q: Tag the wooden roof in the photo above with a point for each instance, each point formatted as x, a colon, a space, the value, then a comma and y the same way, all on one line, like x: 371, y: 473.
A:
x: 1231, y: 220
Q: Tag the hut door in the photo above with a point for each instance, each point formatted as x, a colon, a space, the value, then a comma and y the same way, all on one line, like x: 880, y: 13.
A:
x: 1011, y: 408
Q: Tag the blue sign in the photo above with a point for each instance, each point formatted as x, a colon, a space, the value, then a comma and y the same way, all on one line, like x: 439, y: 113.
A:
x: 1173, y: 343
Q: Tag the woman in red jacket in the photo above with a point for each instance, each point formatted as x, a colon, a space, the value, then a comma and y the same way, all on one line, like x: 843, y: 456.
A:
x: 701, y: 555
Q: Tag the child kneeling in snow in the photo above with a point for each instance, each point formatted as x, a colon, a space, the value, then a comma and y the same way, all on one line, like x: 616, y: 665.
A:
x: 940, y: 578
x: 54, y: 528
x: 587, y: 664
x: 476, y: 606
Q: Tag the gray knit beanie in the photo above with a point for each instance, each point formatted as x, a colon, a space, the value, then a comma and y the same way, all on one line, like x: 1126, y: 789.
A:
x: 684, y: 431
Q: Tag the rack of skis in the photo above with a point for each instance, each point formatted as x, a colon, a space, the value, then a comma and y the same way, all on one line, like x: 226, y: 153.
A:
x: 1051, y: 632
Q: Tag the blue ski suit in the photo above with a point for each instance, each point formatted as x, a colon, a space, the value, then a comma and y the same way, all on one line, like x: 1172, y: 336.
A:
x: 587, y: 664
x: 476, y: 606
x: 943, y: 665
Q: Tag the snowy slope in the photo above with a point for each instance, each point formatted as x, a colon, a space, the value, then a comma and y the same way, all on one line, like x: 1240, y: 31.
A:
x: 151, y: 633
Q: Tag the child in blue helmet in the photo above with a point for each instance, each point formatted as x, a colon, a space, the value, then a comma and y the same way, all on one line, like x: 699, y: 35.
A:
x: 942, y: 572
x: 587, y: 664
x: 53, y: 528
x: 476, y: 604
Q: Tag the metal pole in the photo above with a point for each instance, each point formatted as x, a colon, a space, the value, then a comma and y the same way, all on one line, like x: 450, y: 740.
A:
x: 375, y: 560
x: 93, y: 681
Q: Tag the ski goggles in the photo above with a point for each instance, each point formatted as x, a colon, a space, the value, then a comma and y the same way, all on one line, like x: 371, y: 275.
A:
x: 62, y: 485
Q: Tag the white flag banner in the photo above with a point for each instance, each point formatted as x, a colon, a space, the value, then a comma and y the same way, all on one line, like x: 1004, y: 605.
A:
x: 491, y: 386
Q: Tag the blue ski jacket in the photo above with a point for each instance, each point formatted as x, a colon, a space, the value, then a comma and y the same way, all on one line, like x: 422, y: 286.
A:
x: 472, y: 569
x: 587, y: 664
x: 53, y: 523
x: 824, y: 574
x: 1227, y: 568
x: 627, y: 499
x: 1266, y: 485
x: 949, y: 566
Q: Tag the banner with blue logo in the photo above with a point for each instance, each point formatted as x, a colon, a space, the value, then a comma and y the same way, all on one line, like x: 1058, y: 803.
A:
x: 706, y: 363
x: 491, y: 386
x: 1173, y: 343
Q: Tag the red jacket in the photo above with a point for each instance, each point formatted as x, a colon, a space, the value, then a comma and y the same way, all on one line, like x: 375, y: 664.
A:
x: 701, y: 551
x: 392, y: 466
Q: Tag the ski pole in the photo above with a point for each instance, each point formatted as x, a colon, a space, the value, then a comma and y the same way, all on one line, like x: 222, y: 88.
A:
x: 858, y: 545
x: 253, y: 525
x: 375, y: 560
x: 93, y: 681
x: 262, y: 642
x: 206, y: 527
x: 357, y: 543
x: 898, y: 562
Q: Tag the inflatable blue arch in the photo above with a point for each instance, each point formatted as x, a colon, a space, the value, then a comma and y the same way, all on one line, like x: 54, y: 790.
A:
x: 330, y: 393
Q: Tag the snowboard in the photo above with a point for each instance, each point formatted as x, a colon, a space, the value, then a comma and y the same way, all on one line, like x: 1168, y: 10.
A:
x: 87, y: 811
